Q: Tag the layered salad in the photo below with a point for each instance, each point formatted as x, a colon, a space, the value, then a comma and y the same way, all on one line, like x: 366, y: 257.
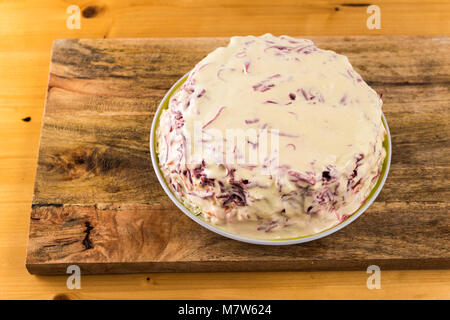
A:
x: 272, y: 138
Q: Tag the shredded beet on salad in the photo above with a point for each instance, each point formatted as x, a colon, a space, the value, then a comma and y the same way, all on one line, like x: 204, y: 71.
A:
x: 272, y: 137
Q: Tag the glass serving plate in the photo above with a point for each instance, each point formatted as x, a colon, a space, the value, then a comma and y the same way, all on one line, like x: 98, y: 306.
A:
x: 197, y: 218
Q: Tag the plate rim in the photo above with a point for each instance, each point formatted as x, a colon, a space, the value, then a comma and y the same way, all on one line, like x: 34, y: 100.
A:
x: 272, y: 242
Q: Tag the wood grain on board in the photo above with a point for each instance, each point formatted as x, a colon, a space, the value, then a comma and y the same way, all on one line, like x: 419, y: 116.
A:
x: 98, y: 204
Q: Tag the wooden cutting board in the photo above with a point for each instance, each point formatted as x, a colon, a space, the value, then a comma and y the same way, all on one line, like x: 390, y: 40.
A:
x: 98, y: 204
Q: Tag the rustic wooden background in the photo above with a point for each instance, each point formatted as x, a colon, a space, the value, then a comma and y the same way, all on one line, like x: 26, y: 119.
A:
x: 98, y: 204
x: 27, y: 31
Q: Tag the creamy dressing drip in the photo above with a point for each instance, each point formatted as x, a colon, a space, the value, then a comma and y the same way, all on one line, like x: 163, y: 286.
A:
x: 326, y: 119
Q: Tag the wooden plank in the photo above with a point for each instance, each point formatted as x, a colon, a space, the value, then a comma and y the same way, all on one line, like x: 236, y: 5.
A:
x: 98, y: 204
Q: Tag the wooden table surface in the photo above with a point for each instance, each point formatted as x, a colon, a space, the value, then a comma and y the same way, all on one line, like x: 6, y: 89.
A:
x: 27, y: 30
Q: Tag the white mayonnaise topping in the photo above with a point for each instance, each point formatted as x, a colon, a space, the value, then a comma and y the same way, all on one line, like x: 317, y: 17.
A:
x: 322, y: 156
